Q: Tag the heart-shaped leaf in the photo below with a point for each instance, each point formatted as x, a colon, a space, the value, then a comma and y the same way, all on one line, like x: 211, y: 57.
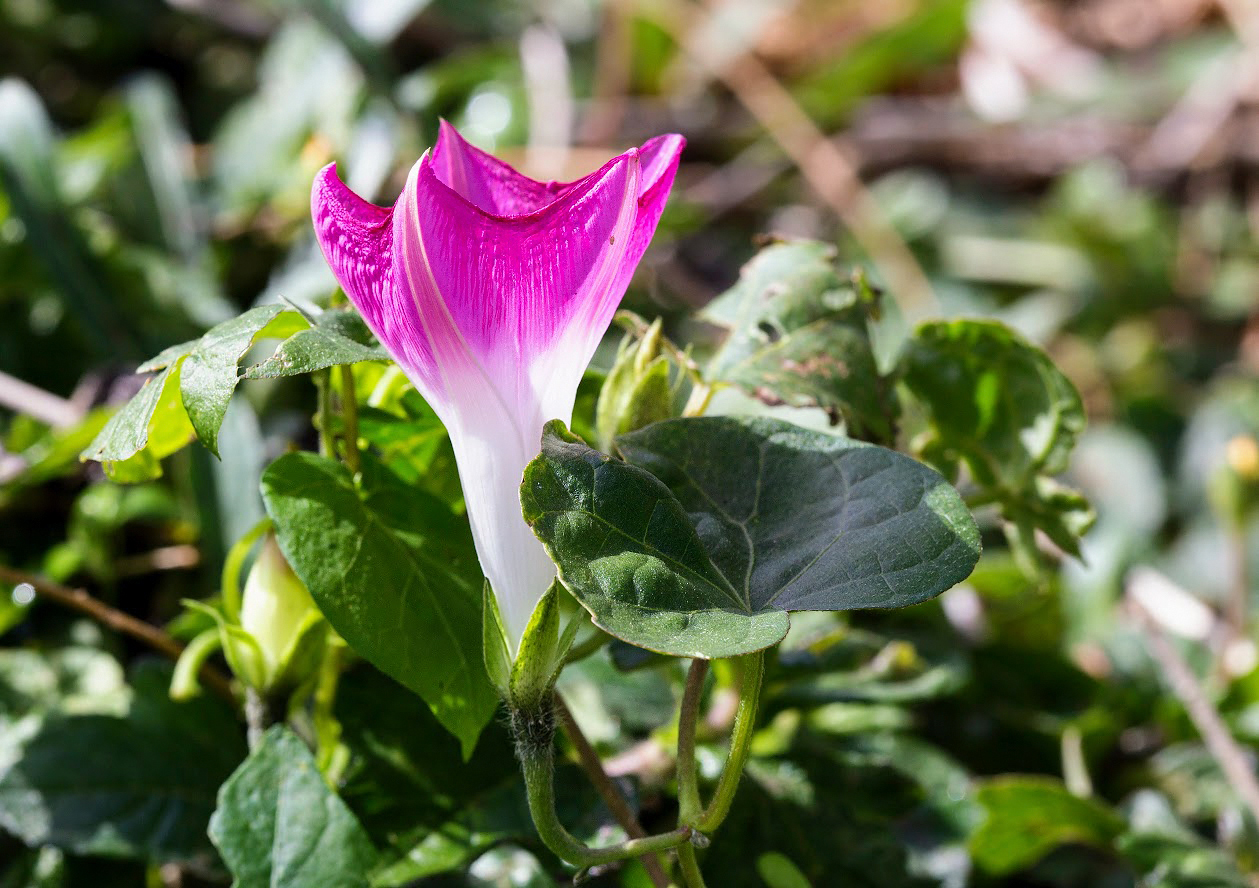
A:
x: 721, y: 525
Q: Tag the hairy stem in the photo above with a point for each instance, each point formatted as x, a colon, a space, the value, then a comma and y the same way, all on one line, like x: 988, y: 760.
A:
x: 689, y: 805
x: 608, y: 791
x: 534, y: 734
x: 261, y: 712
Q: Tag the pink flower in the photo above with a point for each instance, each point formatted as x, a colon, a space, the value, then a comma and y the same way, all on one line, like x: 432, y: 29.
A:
x: 491, y: 291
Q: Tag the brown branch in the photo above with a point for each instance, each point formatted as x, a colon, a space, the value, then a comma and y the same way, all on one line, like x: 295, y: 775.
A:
x: 80, y: 600
x: 608, y: 791
x: 1223, y: 747
x: 34, y: 402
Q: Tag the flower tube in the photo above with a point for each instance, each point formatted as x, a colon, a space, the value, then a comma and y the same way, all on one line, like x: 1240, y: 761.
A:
x: 492, y: 290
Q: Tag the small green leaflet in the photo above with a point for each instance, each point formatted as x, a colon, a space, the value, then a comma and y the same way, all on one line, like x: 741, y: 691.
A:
x: 668, y: 554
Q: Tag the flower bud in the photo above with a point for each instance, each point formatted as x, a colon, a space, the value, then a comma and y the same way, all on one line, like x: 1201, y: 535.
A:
x: 637, y: 391
x: 278, y: 613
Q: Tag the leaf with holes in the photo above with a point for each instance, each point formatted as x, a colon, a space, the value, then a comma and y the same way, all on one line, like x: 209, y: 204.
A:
x: 716, y: 527
x: 798, y: 336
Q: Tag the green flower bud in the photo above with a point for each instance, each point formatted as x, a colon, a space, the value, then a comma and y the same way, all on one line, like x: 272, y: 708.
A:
x: 637, y: 391
x: 278, y: 613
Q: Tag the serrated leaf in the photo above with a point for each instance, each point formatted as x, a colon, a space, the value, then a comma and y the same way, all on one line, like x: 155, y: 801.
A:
x: 147, y: 428
x: 188, y: 396
x: 139, y: 785
x: 798, y: 336
x: 1027, y: 817
x: 393, y: 572
x: 210, y: 372
x: 338, y: 337
x: 722, y: 525
x: 997, y: 403
x: 278, y: 825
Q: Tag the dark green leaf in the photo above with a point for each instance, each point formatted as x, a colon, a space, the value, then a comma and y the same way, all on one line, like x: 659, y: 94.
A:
x: 393, y: 572
x: 137, y: 785
x: 278, y: 825
x: 338, y: 337
x: 1027, y: 817
x: 673, y: 554
x: 798, y: 336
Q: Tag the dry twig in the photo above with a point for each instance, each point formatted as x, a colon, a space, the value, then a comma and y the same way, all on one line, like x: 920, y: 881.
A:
x: 80, y: 600
x: 1223, y: 747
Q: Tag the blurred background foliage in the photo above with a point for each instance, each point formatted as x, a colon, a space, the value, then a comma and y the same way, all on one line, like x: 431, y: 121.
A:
x: 1085, y: 171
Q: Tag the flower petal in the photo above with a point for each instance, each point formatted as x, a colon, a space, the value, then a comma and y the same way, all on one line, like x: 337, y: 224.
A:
x: 495, y: 293
x: 357, y: 239
x: 485, y: 181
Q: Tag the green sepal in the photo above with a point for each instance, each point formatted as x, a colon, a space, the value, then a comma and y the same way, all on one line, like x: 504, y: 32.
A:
x: 637, y: 391
x: 301, y: 658
x: 543, y: 649
x: 243, y: 654
x: 184, y: 684
x: 494, y: 642
x: 233, y: 566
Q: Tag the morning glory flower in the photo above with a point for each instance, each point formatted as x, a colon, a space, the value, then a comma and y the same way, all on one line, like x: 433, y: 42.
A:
x: 491, y: 291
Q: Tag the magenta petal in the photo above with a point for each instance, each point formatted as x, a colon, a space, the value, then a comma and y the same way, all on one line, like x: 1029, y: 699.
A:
x: 659, y: 157
x: 508, y: 286
x: 357, y: 239
x: 485, y: 181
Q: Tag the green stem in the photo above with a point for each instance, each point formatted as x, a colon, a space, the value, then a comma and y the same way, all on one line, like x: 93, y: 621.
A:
x: 323, y: 704
x: 689, y: 805
x: 536, y: 751
x: 690, y: 867
x: 349, y: 416
x: 753, y: 669
x: 323, y: 418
